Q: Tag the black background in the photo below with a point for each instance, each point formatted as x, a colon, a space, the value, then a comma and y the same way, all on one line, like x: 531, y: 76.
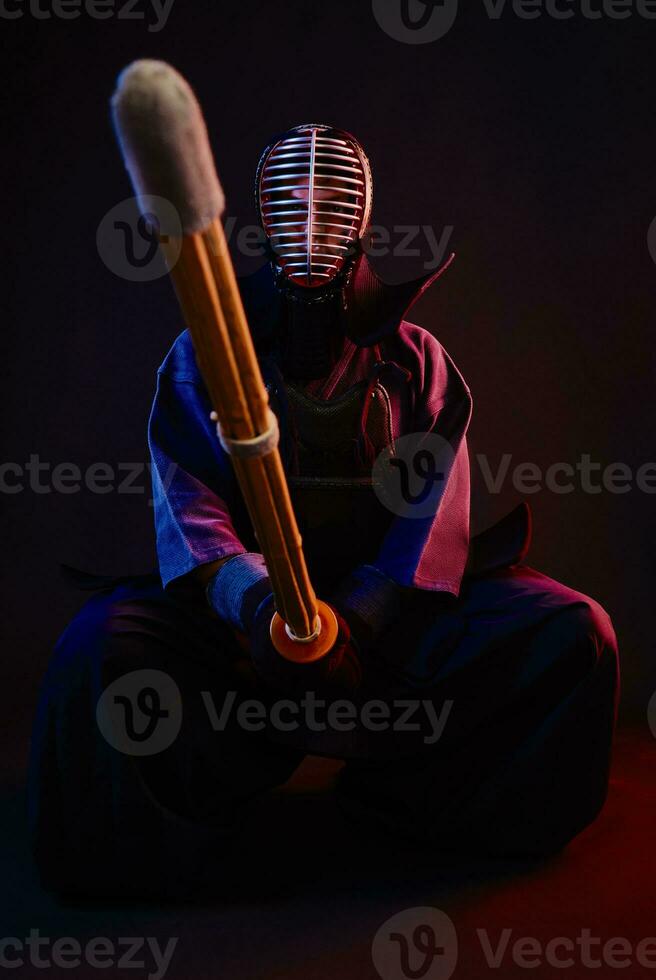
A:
x: 533, y: 139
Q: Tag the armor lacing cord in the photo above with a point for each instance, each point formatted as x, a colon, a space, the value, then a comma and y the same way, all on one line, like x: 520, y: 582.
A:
x: 366, y: 448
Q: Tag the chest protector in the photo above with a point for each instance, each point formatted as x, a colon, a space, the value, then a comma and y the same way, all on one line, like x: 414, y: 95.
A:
x: 329, y: 447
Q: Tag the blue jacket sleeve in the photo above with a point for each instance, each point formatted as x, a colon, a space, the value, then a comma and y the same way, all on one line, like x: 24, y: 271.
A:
x: 194, y: 489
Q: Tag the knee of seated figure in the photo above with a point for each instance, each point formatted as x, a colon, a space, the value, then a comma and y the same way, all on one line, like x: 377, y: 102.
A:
x: 593, y: 621
x: 590, y: 632
x: 90, y: 638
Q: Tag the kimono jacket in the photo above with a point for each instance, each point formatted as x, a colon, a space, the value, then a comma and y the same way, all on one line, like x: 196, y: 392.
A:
x: 332, y: 430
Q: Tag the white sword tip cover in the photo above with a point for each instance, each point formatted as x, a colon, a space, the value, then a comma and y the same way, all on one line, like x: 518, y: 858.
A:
x: 164, y: 141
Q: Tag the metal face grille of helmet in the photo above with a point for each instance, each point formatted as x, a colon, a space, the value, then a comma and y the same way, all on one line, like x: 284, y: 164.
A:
x: 314, y: 193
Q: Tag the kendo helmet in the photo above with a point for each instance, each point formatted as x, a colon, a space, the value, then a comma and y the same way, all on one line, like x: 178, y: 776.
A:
x: 314, y: 196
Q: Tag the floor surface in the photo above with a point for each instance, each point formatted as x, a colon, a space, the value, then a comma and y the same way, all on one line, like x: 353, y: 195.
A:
x: 309, y: 898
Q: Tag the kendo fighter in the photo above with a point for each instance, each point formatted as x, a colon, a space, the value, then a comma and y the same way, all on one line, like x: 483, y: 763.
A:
x: 526, y: 667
